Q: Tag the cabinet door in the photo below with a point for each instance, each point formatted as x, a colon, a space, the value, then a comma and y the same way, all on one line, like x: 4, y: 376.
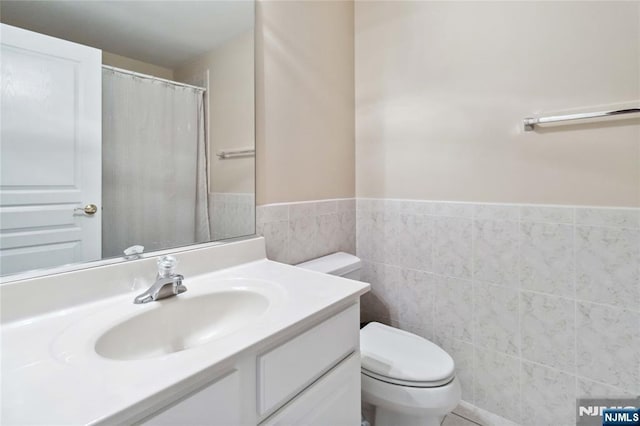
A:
x: 333, y: 400
x: 288, y: 369
x: 217, y: 404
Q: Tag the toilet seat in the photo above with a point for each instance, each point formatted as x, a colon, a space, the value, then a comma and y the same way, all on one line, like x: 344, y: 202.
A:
x: 399, y: 382
x: 401, y: 358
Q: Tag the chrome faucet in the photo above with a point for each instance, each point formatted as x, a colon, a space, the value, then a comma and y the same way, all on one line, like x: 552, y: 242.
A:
x: 167, y: 284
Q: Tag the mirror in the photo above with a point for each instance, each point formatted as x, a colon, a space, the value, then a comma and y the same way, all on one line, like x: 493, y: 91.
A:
x: 125, y: 124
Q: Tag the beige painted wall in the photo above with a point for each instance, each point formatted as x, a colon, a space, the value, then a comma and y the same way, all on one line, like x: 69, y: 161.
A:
x: 230, y: 69
x: 442, y: 88
x: 130, y: 64
x: 305, y: 100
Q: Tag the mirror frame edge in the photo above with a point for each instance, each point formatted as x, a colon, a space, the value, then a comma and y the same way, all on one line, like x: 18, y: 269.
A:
x: 75, y: 267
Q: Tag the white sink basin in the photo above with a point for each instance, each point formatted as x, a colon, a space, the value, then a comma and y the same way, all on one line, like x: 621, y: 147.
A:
x: 178, y: 323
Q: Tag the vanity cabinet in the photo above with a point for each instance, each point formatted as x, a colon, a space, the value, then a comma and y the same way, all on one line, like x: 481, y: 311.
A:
x: 218, y: 403
x: 290, y: 367
x: 333, y: 400
x: 309, y: 376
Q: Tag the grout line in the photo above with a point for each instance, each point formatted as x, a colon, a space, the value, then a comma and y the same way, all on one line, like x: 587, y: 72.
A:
x: 465, y: 418
x: 520, y: 313
x: 574, y: 281
x: 571, y: 207
x: 505, y: 354
x: 555, y: 369
x: 485, y: 203
x: 617, y: 388
x: 474, y: 338
x: 288, y: 251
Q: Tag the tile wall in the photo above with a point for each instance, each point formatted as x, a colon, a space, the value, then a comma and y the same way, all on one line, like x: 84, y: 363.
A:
x: 296, y: 232
x: 232, y: 214
x: 536, y: 304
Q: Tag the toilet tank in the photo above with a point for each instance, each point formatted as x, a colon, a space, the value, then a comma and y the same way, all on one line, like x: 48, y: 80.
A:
x: 342, y: 264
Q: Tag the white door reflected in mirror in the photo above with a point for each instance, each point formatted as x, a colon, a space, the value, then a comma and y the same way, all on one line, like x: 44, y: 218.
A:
x: 51, y: 151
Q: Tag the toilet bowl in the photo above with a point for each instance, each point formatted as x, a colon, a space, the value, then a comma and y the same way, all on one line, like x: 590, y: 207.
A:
x: 409, y: 380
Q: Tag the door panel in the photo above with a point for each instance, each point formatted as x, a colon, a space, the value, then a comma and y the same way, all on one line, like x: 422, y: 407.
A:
x: 36, y: 216
x: 51, y: 151
x: 37, y: 237
x: 38, y: 256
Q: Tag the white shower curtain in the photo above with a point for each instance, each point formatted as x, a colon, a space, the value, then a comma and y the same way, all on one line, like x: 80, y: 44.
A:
x: 154, y: 165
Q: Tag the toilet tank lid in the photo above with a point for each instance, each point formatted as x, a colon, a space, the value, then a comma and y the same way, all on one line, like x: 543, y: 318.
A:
x: 339, y: 263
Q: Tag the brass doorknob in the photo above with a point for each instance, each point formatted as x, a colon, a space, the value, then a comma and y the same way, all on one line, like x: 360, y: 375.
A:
x: 90, y: 209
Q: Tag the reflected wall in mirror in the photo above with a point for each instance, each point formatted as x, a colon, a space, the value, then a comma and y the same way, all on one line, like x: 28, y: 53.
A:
x: 123, y: 124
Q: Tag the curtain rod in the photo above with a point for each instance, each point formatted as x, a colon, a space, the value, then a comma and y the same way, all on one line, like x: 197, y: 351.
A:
x: 151, y: 77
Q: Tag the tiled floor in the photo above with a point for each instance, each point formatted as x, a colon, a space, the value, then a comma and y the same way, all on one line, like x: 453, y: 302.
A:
x: 455, y: 420
x: 451, y: 419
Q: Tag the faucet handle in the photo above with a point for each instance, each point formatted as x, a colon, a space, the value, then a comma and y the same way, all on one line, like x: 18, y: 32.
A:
x: 167, y: 266
x: 133, y: 252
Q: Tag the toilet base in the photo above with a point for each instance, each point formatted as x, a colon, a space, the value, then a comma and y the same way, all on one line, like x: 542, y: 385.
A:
x: 386, y: 417
x: 397, y: 405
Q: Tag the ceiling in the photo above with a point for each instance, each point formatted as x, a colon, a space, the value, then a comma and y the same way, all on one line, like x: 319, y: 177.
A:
x: 165, y: 33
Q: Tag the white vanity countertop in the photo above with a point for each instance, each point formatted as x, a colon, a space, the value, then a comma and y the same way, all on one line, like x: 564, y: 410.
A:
x: 52, y: 376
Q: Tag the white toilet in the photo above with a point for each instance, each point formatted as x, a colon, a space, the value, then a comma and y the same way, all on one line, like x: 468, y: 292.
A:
x: 408, y: 379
